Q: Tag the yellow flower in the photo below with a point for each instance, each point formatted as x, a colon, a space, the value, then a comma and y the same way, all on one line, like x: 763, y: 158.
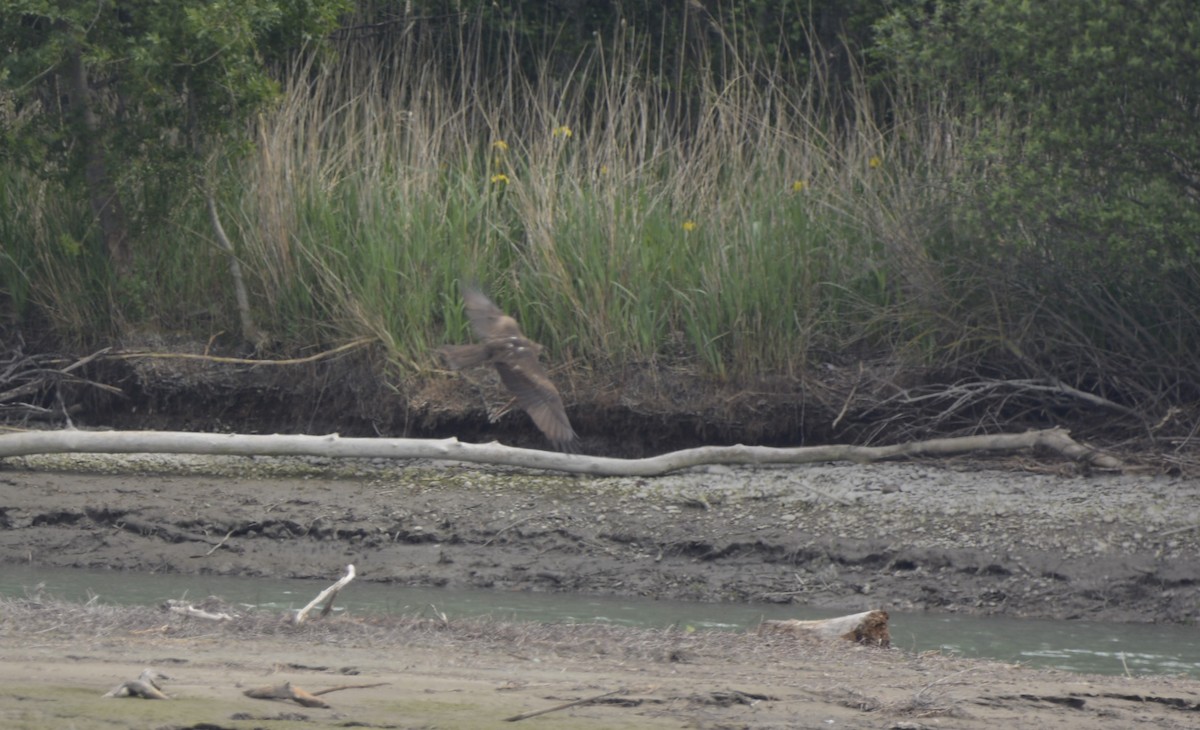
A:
x: 689, y: 226
x: 500, y: 145
x: 799, y: 186
x: 875, y: 161
x: 564, y: 131
x: 499, y: 179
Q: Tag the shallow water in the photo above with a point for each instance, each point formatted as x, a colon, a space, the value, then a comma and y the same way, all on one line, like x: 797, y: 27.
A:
x: 1077, y: 646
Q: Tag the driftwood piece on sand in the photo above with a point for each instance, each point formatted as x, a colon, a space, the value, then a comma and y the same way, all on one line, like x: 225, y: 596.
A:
x: 286, y: 691
x: 330, y: 593
x: 164, y: 442
x: 869, y: 627
x: 144, y: 687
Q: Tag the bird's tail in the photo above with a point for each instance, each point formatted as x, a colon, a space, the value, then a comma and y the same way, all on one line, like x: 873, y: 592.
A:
x: 458, y: 357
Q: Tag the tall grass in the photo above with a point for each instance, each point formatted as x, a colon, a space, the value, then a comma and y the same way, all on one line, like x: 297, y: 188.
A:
x: 736, y: 224
x: 54, y: 271
x: 45, y: 264
x: 760, y: 227
x: 746, y: 220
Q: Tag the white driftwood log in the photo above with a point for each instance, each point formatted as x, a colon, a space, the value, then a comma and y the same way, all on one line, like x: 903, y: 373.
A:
x: 330, y: 593
x: 25, y: 443
x: 868, y: 627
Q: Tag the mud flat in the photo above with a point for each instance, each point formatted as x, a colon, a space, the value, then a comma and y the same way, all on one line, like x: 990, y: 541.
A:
x: 1000, y: 538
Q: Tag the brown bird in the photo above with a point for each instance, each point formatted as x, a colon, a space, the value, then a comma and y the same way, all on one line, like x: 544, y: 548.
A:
x: 515, y: 358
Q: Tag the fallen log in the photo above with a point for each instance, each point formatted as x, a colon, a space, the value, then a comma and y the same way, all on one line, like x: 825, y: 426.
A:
x: 164, y: 442
x: 869, y: 627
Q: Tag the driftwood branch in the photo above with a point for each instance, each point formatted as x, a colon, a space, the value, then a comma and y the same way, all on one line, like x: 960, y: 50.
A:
x: 330, y: 593
x: 942, y: 405
x: 164, y: 442
x: 869, y: 627
x: 353, y: 344
x: 286, y: 691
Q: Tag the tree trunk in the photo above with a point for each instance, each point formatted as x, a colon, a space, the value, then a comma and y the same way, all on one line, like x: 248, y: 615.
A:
x: 250, y: 332
x: 106, y: 205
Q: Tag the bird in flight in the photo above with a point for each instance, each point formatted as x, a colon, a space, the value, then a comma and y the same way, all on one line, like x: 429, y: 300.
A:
x: 515, y: 358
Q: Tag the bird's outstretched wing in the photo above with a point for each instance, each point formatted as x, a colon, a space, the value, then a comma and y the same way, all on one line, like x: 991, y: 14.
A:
x: 525, y: 378
x: 487, y: 320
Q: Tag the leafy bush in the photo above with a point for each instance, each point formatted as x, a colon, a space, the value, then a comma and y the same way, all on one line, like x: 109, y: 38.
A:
x: 121, y: 102
x: 1090, y: 113
x: 1081, y: 205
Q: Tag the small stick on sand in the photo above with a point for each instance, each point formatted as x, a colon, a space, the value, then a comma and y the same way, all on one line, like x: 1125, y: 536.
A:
x: 341, y: 687
x: 584, y: 701
x: 218, y: 545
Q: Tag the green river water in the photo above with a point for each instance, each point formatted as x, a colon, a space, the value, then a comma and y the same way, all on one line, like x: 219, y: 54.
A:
x: 1078, y: 646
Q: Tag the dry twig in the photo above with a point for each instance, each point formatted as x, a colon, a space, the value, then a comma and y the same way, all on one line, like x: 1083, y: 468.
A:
x: 565, y: 705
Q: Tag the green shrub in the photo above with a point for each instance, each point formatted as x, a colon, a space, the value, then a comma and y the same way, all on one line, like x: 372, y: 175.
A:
x: 1089, y: 113
x: 1080, y: 202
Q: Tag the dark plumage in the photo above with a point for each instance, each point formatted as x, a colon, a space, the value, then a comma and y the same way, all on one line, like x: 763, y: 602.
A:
x: 515, y: 358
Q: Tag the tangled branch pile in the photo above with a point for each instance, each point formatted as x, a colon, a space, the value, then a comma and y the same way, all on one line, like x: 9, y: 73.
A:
x: 43, y: 387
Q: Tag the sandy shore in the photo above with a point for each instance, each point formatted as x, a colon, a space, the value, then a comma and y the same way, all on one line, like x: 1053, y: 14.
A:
x: 57, y: 660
